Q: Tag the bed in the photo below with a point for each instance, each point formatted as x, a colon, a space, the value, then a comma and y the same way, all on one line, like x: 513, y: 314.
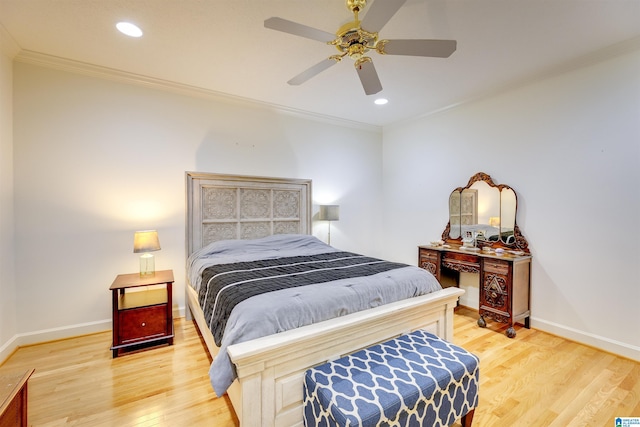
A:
x: 267, y: 371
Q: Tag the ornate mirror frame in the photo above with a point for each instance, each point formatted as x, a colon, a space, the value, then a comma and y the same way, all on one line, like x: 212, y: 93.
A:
x: 518, y: 241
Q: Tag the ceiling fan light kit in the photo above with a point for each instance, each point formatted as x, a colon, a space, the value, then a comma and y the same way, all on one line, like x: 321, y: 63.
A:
x: 355, y: 39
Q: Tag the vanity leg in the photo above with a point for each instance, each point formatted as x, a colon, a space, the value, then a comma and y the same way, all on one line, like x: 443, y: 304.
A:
x: 481, y: 322
x: 527, y: 323
x: 511, y: 333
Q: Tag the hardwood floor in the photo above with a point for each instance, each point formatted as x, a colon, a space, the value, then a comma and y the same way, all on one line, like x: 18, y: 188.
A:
x: 77, y: 383
x: 536, y: 379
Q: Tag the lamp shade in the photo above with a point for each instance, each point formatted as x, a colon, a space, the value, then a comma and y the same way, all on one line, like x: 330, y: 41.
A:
x: 329, y: 213
x: 146, y: 241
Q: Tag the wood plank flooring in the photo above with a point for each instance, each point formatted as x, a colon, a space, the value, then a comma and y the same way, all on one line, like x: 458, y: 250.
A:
x: 536, y: 379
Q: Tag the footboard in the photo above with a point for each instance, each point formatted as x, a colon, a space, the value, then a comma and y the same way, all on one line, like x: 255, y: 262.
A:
x: 271, y: 369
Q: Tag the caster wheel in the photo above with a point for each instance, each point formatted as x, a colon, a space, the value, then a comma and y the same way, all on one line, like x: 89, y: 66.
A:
x: 481, y: 322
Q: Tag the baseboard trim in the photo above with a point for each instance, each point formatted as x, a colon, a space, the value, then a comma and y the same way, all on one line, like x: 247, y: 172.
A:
x: 64, y: 332
x: 612, y: 346
x: 8, y: 348
x: 53, y: 334
x: 601, y: 343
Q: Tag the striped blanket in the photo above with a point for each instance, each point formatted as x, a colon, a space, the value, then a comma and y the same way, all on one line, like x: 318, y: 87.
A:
x: 226, y: 285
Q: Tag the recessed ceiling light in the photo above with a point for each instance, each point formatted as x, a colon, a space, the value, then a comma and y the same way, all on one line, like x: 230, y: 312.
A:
x: 381, y: 101
x: 129, y: 29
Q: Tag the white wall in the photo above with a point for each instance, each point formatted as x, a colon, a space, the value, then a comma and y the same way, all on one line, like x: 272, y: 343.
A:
x: 96, y: 160
x: 570, y: 147
x: 8, y: 328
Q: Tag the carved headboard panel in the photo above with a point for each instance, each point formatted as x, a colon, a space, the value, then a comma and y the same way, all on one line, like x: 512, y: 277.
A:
x: 222, y: 207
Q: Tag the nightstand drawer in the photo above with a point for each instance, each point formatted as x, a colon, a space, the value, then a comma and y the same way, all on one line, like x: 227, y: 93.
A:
x: 143, y: 323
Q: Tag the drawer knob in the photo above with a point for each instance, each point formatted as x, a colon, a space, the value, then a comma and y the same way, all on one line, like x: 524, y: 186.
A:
x: 144, y: 324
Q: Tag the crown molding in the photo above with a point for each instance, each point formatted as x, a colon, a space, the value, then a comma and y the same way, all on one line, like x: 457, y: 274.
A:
x: 91, y: 70
x: 8, y: 45
x: 618, y: 49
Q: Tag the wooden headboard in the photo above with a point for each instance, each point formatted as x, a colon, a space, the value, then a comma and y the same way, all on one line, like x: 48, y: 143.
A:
x: 223, y: 207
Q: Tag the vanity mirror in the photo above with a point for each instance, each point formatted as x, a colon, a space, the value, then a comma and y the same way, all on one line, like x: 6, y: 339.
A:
x: 485, y: 212
x: 483, y: 238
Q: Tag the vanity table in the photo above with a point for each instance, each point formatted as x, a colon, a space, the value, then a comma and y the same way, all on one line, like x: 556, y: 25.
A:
x: 482, y: 237
x: 504, y: 280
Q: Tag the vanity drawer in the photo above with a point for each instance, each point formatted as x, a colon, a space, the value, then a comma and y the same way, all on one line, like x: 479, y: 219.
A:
x: 495, y: 295
x: 429, y: 259
x: 496, y: 266
x: 469, y: 258
x: 464, y: 263
x: 428, y: 256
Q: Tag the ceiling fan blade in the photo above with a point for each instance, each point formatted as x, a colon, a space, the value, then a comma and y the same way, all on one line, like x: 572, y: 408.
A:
x: 296, y: 29
x: 368, y: 76
x: 380, y: 13
x: 312, y: 72
x: 435, y: 48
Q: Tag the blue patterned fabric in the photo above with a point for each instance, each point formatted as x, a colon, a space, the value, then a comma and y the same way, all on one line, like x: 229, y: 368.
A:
x: 416, y: 379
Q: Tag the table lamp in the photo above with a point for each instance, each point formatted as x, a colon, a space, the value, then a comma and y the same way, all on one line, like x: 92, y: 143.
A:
x: 329, y: 213
x: 145, y: 242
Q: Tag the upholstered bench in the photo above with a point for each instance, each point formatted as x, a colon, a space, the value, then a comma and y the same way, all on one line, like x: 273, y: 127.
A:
x: 416, y: 379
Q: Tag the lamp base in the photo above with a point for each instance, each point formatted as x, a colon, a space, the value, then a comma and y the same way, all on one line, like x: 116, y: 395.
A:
x: 147, y: 265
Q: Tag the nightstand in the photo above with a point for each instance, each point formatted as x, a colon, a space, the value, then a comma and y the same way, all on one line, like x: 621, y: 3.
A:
x: 141, y: 317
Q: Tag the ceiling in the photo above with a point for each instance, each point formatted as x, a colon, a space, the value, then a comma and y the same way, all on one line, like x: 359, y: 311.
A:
x: 222, y: 46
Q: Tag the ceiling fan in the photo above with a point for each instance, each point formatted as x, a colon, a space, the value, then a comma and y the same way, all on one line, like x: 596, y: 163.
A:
x: 355, y: 39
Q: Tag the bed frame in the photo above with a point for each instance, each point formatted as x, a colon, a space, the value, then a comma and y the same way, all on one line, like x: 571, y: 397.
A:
x: 268, y: 390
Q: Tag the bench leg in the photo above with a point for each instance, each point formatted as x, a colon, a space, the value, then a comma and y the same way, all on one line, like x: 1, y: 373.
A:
x: 467, y: 419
